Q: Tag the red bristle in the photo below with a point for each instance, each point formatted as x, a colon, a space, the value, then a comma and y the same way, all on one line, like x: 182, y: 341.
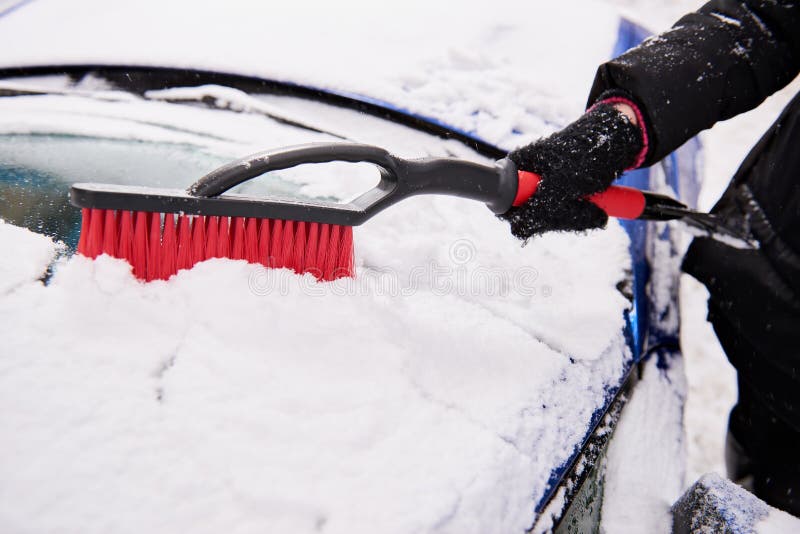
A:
x: 184, y: 242
x: 125, y: 248
x: 263, y: 242
x: 110, y: 233
x: 345, y: 264
x: 287, y: 247
x: 299, y: 247
x: 198, y: 239
x: 251, y: 240
x: 86, y: 221
x: 139, y: 256
x: 310, y: 253
x: 94, y: 241
x: 224, y: 238
x: 169, y: 247
x: 322, y: 250
x: 237, y: 240
x: 332, y: 253
x: 212, y: 233
x: 154, y: 247
x: 276, y: 244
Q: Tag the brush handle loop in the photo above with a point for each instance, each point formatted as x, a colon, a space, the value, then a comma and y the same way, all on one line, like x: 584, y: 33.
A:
x: 232, y: 174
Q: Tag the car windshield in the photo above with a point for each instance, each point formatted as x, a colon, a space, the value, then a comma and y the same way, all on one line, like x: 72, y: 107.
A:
x: 58, y: 130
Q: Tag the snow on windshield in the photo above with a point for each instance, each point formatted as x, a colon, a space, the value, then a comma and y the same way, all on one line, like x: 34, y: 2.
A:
x: 122, y: 139
x: 60, y: 132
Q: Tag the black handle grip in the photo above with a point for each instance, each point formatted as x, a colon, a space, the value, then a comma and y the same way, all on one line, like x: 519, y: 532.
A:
x: 400, y: 178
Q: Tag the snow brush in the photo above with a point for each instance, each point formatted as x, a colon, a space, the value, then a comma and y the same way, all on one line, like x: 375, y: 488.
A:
x: 139, y: 225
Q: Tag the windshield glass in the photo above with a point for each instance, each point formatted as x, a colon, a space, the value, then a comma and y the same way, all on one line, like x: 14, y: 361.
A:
x: 56, y: 131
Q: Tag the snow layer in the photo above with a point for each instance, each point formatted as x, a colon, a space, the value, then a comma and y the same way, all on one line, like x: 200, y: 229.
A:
x: 739, y: 508
x: 719, y: 504
x: 645, y: 460
x: 778, y: 522
x: 647, y: 457
x: 489, y: 71
x: 25, y: 257
x: 415, y: 398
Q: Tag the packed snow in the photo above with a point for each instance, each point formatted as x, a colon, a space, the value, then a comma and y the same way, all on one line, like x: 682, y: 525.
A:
x: 236, y: 398
x: 719, y: 505
x: 645, y: 460
x: 26, y: 256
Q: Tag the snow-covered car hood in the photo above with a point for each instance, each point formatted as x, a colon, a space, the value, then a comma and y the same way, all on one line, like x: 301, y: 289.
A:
x: 436, y: 391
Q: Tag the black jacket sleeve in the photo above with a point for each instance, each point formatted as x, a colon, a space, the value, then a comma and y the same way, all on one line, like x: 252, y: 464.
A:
x: 713, y: 64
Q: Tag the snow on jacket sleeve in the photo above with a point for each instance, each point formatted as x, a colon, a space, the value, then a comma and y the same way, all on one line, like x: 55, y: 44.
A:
x: 713, y: 64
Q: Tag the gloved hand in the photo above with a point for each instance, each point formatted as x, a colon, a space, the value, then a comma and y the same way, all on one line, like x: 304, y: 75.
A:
x: 582, y: 159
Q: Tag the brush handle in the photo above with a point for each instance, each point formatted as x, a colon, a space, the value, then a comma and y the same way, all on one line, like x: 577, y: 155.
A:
x: 617, y: 201
x: 500, y: 186
x: 400, y: 178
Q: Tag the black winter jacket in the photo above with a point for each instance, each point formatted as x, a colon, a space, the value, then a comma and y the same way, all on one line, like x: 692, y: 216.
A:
x: 723, y: 60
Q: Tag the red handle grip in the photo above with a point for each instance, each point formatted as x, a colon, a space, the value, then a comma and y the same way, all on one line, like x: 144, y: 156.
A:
x: 617, y: 201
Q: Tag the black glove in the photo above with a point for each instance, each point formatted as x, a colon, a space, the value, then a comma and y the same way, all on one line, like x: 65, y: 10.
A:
x: 582, y: 159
